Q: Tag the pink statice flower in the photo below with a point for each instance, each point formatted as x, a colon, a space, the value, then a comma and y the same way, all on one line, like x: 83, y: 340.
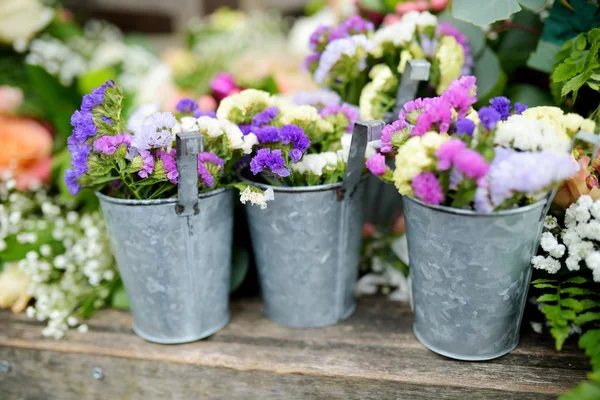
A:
x: 376, y: 164
x: 447, y: 152
x: 388, y: 131
x: 427, y: 188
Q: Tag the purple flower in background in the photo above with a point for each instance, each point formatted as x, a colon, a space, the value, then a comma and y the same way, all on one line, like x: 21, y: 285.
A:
x: 170, y: 165
x: 318, y: 36
x: 295, y: 135
x: 245, y: 128
x: 388, y: 131
x: 264, y: 159
x: 351, y: 26
x: 208, y: 157
x: 264, y: 117
x: 71, y: 178
x: 502, y: 105
x: 519, y: 108
x: 79, y: 157
x: 186, y: 106
x: 349, y: 111
x: 223, y: 85
x: 267, y: 134
x: 109, y: 144
x: 83, y: 125
x: 471, y: 164
x: 317, y: 98
x: 309, y: 60
x: 334, y: 51
x: 199, y: 113
x: 427, y: 188
x: 376, y: 164
x: 147, y: 163
x: 489, y: 117
x: 447, y: 152
x: 464, y: 126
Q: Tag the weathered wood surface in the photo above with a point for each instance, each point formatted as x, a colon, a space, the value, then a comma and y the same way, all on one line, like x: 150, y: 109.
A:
x: 373, y: 355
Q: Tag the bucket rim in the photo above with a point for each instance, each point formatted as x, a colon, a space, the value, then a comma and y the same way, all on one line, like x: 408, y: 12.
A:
x: 155, y: 202
x: 297, y: 189
x: 471, y: 213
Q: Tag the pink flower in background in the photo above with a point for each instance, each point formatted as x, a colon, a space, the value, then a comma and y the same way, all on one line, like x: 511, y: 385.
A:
x: 421, y: 5
x: 207, y: 103
x: 223, y: 85
x: 391, y: 19
x: 10, y: 99
x: 26, y: 150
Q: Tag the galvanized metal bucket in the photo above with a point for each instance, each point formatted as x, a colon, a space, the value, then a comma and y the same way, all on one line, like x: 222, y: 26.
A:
x: 174, y: 255
x: 307, y: 245
x: 470, y: 275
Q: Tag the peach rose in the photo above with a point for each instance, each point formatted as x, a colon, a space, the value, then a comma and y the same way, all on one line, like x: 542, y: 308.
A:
x: 574, y: 187
x: 26, y: 150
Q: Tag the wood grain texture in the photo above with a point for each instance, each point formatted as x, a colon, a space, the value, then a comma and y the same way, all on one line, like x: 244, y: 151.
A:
x: 373, y: 355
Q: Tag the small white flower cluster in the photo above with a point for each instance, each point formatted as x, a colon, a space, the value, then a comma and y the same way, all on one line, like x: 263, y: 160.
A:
x: 523, y: 133
x: 239, y: 104
x: 70, y: 265
x: 403, y: 31
x: 317, y: 163
x: 214, y: 128
x: 57, y: 58
x: 581, y: 238
x: 257, y: 197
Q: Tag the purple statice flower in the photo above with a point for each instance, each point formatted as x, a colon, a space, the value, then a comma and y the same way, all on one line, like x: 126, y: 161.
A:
x: 428, y: 45
x: 93, y: 99
x: 464, y: 126
x: 427, y: 188
x: 461, y: 94
x: 376, y: 164
x: 351, y: 26
x: 447, y: 29
x: 519, y: 108
x: 349, y: 111
x: 295, y: 135
x: 170, y: 165
x: 79, y: 158
x: 264, y: 159
x: 147, y: 163
x: 489, y: 117
x: 245, y: 128
x: 318, y: 37
x: 522, y: 172
x: 109, y: 144
x: 336, y: 49
x: 267, y: 134
x: 205, y: 176
x: 388, y: 131
x: 155, y: 132
x: 448, y: 151
x: 317, y: 98
x: 223, y: 85
x: 295, y: 155
x: 83, y: 126
x: 502, y: 105
x: 471, y: 163
x: 309, y: 60
x: 199, y: 113
x: 106, y: 120
x: 186, y: 106
x: 208, y: 157
x: 456, y: 177
x: 71, y: 179
x: 264, y: 117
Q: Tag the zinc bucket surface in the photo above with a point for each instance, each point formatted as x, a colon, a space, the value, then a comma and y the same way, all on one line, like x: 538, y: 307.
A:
x: 470, y: 275
x: 307, y: 249
x: 176, y: 270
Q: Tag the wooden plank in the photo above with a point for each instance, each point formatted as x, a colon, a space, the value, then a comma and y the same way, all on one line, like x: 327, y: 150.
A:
x: 374, y: 352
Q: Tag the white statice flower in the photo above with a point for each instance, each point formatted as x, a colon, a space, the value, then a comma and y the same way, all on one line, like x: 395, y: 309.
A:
x: 209, y: 126
x: 236, y: 138
x: 238, y: 105
x: 57, y: 58
x: 348, y: 46
x: 382, y: 80
x: 20, y: 20
x: 550, y: 222
x: 317, y: 163
x: 346, y: 141
x: 299, y: 115
x: 548, y: 264
x: 140, y: 114
x: 420, y: 19
x: 523, y: 133
x: 257, y: 197
x: 551, y: 245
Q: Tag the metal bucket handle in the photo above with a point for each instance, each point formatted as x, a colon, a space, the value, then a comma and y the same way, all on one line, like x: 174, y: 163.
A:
x: 188, y: 145
x: 587, y: 137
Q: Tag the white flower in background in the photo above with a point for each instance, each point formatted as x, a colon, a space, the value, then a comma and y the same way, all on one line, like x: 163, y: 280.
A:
x: 145, y: 75
x: 347, y: 141
x: 57, y: 58
x: 257, y: 197
x: 547, y: 264
x: 236, y: 138
x: 420, y: 19
x: 336, y: 49
x: 210, y: 126
x: 137, y: 118
x: 523, y: 133
x: 383, y: 80
x: 108, y: 54
x: 20, y: 20
x: 316, y: 164
x: 239, y: 104
x: 551, y: 245
x: 550, y: 222
x: 305, y: 26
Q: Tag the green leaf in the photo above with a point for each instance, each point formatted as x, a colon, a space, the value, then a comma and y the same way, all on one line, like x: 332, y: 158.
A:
x: 544, y: 281
x: 560, y: 334
x: 542, y: 59
x: 587, y: 304
x: 240, y: 264
x: 583, y: 391
x: 515, y: 45
x: 484, y: 13
x: 577, y: 279
x: 530, y: 95
x: 577, y: 291
x: 489, y: 74
x: 587, y: 317
x: 474, y: 33
x: 589, y: 338
x: 545, y: 286
x: 547, y: 297
x: 573, y: 304
x: 119, y: 298
x: 93, y: 79
x: 569, y: 315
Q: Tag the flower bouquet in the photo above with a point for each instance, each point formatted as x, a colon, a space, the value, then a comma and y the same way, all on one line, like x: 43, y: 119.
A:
x: 307, y: 241
x: 169, y: 213
x: 364, y: 65
x: 476, y: 188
